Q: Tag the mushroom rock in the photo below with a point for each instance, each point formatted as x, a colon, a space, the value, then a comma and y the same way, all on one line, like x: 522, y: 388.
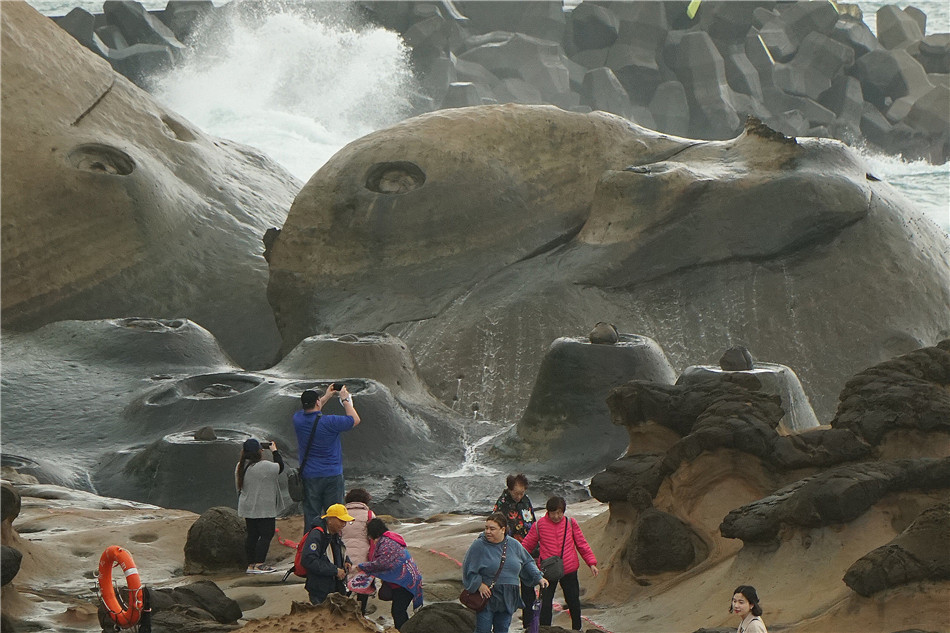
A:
x: 509, y: 225
x: 157, y: 412
x: 566, y: 428
x: 775, y: 379
x: 146, y: 214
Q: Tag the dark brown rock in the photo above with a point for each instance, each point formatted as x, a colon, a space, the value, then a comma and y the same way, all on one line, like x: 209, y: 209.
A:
x: 215, y: 542
x: 839, y: 495
x: 604, y: 334
x: 919, y: 553
x: 441, y: 617
x: 9, y: 563
x: 736, y: 359
x: 9, y: 503
x: 907, y: 392
x: 660, y: 542
x: 626, y: 477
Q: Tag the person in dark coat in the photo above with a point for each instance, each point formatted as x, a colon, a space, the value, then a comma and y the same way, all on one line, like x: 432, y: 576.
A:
x: 324, y: 555
x: 516, y: 506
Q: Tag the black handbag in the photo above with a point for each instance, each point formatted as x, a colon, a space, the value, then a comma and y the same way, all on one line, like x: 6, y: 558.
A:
x: 552, y: 567
x: 475, y: 601
x: 295, y: 475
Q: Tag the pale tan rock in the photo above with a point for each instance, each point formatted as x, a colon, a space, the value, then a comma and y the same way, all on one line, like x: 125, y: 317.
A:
x: 115, y: 206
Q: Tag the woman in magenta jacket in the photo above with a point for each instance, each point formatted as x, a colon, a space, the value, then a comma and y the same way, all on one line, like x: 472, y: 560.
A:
x: 551, y: 531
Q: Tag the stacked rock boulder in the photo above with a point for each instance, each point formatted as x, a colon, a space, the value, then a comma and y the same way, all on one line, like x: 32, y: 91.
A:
x: 806, y: 68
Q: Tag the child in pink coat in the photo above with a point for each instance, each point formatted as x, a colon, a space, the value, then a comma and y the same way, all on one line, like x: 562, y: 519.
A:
x: 561, y: 536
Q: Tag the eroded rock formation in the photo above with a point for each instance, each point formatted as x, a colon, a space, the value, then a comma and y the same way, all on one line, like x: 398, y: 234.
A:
x: 114, y: 206
x: 517, y: 224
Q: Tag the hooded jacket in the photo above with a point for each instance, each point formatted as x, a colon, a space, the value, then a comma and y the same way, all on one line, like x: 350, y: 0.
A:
x: 483, y: 558
x: 551, y: 534
x: 390, y: 562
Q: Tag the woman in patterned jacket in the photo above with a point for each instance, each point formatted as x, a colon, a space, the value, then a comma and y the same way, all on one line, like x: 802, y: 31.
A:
x: 390, y: 561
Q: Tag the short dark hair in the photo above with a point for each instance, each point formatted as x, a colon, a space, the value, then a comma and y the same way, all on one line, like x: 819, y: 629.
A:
x: 498, y: 519
x: 514, y: 480
x: 376, y: 528
x: 556, y: 503
x: 357, y: 494
x: 748, y: 591
x: 309, y: 398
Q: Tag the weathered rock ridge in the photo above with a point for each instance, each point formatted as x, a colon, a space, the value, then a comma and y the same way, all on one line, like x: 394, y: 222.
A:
x: 114, y: 206
x: 479, y: 235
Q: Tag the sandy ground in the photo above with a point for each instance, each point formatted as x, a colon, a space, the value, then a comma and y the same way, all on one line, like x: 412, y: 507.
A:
x: 799, y: 579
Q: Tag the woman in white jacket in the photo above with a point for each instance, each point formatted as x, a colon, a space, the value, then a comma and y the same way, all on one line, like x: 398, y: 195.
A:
x: 354, y: 535
x: 256, y: 482
x: 745, y: 604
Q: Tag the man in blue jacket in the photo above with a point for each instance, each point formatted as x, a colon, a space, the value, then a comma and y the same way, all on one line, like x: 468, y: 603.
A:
x: 322, y: 471
x: 324, y: 555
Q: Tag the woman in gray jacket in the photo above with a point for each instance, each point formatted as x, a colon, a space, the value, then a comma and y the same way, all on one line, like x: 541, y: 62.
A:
x: 256, y: 481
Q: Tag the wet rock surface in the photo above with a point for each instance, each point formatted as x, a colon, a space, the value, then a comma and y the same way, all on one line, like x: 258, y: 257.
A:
x: 172, y: 411
x: 622, y: 225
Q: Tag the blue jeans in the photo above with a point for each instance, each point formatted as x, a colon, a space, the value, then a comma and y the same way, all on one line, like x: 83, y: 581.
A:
x: 319, y: 493
x: 492, y: 621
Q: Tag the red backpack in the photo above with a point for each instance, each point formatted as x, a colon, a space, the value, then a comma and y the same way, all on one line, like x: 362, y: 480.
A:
x: 298, y: 569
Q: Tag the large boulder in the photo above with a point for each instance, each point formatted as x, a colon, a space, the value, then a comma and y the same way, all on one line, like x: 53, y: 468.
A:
x: 441, y: 617
x: 514, y: 225
x: 215, y: 542
x: 661, y: 542
x: 10, y: 558
x: 146, y: 214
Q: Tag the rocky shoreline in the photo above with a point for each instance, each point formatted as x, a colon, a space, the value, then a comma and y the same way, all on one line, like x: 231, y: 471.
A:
x: 805, y: 68
x: 875, y: 518
x: 504, y: 288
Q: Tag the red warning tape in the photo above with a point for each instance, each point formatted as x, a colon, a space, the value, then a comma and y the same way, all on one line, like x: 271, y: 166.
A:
x: 285, y: 541
x: 444, y: 555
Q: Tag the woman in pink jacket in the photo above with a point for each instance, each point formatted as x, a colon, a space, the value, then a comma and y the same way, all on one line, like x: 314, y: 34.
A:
x: 561, y: 536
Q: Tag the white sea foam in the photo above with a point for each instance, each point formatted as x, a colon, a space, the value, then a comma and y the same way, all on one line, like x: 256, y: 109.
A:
x: 296, y: 86
x: 926, y: 186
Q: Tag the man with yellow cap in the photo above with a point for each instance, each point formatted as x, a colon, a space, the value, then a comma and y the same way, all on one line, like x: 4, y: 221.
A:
x: 324, y: 555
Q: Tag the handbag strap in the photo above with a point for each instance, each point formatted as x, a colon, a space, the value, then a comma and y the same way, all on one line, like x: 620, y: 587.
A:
x: 306, y: 453
x: 564, y: 537
x: 504, y: 555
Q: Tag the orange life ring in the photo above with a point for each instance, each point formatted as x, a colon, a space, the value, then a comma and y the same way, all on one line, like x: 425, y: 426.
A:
x: 128, y: 616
